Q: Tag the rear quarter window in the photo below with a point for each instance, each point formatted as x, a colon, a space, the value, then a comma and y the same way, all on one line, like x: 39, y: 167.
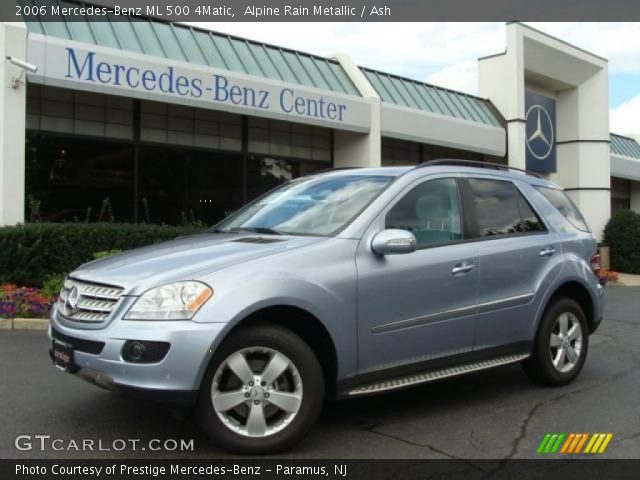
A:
x: 565, y: 206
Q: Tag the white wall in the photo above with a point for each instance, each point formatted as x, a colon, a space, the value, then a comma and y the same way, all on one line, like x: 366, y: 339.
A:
x: 354, y: 149
x: 578, y: 81
x: 13, y: 42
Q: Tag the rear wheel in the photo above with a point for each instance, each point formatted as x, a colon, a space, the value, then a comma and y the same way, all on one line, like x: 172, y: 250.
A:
x: 263, y: 390
x: 561, y: 344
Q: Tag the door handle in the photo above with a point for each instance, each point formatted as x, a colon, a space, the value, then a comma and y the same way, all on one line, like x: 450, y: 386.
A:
x: 547, y: 252
x: 462, y: 268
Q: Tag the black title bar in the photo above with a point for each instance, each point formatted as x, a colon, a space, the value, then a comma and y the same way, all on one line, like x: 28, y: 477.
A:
x: 317, y: 469
x: 325, y: 10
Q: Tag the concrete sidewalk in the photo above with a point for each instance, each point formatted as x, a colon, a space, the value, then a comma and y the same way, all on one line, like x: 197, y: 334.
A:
x: 627, y: 280
x: 24, y: 323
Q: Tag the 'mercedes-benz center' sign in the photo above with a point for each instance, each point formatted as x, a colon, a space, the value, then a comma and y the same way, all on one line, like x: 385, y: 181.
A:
x: 103, y: 70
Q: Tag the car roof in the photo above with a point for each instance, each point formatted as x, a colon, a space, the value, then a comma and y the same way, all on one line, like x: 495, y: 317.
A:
x: 425, y: 170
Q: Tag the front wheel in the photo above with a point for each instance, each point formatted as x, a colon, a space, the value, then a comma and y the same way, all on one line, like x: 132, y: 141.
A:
x: 561, y: 344
x: 262, y: 391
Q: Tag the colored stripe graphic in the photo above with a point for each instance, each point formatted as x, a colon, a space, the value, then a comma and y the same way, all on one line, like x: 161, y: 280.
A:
x: 581, y: 443
x: 554, y: 449
x: 550, y: 443
x: 598, y: 442
x: 593, y: 439
x: 574, y: 443
x: 565, y: 447
x: 544, y: 442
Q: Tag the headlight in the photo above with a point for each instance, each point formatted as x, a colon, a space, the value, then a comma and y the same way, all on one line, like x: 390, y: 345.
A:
x: 174, y: 301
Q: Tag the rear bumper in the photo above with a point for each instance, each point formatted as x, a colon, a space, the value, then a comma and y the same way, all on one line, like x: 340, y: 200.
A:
x: 598, y: 310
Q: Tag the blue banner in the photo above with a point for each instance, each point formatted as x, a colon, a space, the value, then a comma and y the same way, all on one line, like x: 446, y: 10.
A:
x: 540, y: 133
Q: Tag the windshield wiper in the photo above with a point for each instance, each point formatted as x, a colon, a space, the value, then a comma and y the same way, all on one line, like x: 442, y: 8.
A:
x: 269, y: 231
x: 218, y: 230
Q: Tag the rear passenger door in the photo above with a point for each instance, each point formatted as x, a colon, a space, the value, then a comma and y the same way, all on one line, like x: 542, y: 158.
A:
x: 518, y: 258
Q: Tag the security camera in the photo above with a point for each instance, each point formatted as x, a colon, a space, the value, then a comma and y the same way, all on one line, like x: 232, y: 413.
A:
x: 23, y: 65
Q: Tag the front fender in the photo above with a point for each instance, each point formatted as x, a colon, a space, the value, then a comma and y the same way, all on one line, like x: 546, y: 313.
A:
x: 332, y: 303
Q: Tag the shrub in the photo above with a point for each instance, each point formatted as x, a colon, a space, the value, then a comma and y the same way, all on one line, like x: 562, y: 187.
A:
x: 32, y: 253
x: 622, y: 234
x: 53, y: 284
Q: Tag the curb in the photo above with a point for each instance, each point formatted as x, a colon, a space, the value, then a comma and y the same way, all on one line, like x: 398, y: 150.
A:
x: 32, y: 324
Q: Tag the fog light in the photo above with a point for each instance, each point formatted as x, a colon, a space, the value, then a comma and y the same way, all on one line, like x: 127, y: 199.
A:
x: 139, y: 351
x: 136, y: 351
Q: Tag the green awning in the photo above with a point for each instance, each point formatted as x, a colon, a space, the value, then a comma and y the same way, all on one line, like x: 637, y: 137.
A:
x: 624, y: 146
x: 185, y: 43
x: 409, y: 93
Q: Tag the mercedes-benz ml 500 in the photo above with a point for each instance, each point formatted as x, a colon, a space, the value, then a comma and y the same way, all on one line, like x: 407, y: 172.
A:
x: 339, y: 284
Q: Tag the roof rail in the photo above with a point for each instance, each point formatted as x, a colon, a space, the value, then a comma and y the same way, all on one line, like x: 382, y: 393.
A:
x: 474, y: 163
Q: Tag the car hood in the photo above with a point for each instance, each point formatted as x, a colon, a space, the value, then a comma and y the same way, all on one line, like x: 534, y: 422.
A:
x: 183, y: 258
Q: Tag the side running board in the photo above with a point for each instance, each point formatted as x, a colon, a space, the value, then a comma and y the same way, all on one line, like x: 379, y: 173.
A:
x: 432, y: 375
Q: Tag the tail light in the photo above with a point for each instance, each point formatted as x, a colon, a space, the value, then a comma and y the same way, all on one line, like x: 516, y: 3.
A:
x: 595, y: 264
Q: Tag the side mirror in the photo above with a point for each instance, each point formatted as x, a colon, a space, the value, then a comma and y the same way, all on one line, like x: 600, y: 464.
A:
x: 393, y: 242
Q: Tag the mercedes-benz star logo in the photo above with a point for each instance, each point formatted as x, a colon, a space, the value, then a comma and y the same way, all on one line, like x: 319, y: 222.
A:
x: 540, y: 142
x: 71, y: 302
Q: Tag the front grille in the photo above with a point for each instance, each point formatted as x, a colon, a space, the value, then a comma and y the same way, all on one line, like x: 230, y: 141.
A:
x: 79, y: 344
x: 85, y: 302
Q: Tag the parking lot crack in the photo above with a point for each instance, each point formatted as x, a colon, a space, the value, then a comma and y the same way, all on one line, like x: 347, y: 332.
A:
x: 524, y: 425
x: 422, y: 445
x: 626, y: 439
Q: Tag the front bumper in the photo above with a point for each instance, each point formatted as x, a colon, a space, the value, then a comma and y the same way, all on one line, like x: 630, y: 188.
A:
x: 177, y: 375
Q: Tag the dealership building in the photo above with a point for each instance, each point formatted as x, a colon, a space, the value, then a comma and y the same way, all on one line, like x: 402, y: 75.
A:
x: 171, y: 122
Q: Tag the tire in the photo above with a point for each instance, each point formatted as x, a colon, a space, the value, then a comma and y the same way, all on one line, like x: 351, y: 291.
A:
x: 299, y: 388
x: 546, y: 365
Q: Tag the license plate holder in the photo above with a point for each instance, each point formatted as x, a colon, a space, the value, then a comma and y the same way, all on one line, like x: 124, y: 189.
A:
x: 63, y: 356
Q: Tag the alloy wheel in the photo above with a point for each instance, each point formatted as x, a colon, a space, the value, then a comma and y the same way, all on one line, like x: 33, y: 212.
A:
x: 256, y: 392
x: 565, y: 343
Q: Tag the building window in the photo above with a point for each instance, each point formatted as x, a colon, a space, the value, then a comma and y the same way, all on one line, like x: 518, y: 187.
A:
x: 178, y: 184
x: 191, y: 161
x: 620, y: 194
x: 162, y: 123
x: 287, y: 139
x: 401, y: 152
x: 265, y: 173
x: 72, y: 178
x: 59, y: 110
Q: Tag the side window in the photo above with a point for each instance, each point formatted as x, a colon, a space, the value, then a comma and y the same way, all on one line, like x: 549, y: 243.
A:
x: 565, y: 206
x: 530, y: 221
x: 431, y: 211
x: 500, y: 208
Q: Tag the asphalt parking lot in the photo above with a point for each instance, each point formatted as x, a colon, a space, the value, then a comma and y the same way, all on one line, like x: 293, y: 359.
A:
x: 496, y: 414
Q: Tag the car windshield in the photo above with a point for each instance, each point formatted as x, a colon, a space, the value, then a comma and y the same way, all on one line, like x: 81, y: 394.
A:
x: 319, y: 205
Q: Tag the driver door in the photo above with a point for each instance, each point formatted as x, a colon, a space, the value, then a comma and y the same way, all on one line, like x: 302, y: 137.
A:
x: 417, y: 306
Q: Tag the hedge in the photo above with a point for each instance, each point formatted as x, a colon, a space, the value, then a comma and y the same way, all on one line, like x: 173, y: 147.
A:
x: 622, y: 235
x: 31, y: 253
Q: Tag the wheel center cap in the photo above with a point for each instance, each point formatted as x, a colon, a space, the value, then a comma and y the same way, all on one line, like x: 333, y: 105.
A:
x: 257, y: 393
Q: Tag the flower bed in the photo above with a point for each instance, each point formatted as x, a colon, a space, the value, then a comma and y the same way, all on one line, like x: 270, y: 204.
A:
x: 24, y: 302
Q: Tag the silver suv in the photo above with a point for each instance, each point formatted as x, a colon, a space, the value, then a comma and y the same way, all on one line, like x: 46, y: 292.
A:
x: 339, y: 284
